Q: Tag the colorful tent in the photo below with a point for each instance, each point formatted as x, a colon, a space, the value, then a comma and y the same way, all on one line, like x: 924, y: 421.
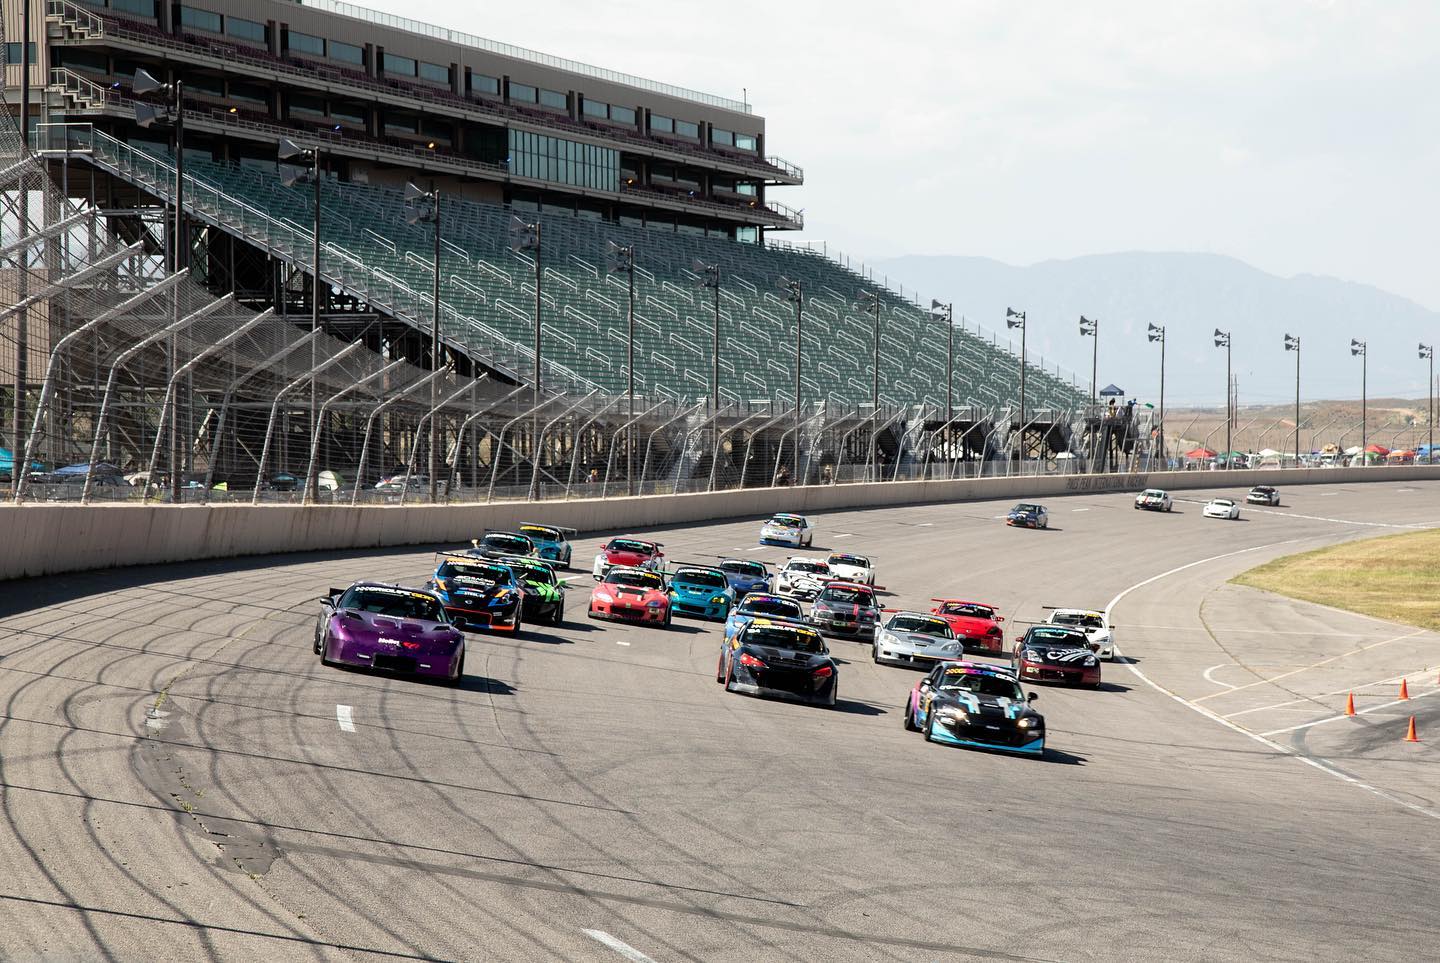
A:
x: 1201, y: 452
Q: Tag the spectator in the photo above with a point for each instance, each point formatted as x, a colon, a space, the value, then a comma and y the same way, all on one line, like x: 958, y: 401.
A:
x: 782, y: 477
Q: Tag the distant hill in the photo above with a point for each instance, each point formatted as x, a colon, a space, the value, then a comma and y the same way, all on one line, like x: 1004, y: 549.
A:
x: 1192, y: 295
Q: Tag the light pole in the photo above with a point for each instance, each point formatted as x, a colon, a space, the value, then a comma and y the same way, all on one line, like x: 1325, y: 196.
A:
x: 710, y: 278
x: 621, y: 260
x: 1427, y: 353
x: 525, y: 238
x: 1016, y: 319
x: 1156, y: 332
x: 796, y: 296
x: 871, y: 301
x: 290, y: 175
x: 1292, y: 343
x: 1358, y: 348
x: 1090, y: 328
x: 1222, y: 340
x: 424, y: 206
x: 946, y: 313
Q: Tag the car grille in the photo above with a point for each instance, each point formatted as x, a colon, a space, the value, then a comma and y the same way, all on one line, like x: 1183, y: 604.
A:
x: 395, y: 663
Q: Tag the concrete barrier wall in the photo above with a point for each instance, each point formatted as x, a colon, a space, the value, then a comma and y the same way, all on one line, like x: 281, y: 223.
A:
x: 44, y: 539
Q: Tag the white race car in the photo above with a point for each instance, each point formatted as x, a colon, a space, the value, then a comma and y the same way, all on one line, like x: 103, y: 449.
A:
x: 802, y: 579
x: 1097, y: 628
x: 787, y: 529
x: 1221, y: 508
x: 1263, y: 495
x: 851, y: 568
x: 1154, y: 500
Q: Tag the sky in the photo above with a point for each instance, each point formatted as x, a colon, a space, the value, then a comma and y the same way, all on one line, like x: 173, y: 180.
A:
x: 1300, y: 137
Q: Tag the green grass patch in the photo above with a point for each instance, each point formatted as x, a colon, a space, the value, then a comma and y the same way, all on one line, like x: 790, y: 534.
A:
x: 1396, y: 577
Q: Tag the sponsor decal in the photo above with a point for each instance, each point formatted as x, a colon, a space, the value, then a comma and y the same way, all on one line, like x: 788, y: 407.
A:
x: 1105, y: 483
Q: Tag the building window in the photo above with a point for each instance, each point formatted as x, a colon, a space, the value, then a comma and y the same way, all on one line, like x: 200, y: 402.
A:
x: 348, y: 113
x: 140, y: 8
x: 564, y: 161
x: 310, y: 106
x: 723, y: 138
x: 397, y: 124
x: 596, y: 108
x: 205, y: 87
x: 435, y: 73
x: 245, y: 29
x: 347, y: 53
x: 520, y: 93
x: 745, y: 187
x: 200, y: 19
x: 12, y: 53
x: 747, y: 235
x: 484, y: 84
x: 555, y: 99
x: 304, y: 43
x: 249, y: 93
x: 660, y: 124
x: 396, y: 64
x: 622, y: 115
x: 684, y: 128
x: 745, y: 142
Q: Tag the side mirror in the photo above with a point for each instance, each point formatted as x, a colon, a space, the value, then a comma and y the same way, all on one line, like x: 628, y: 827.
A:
x: 1032, y: 697
x: 336, y: 592
x: 924, y: 683
x: 1019, y: 638
x: 999, y: 618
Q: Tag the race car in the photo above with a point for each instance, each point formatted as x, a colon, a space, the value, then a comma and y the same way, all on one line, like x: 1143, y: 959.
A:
x: 745, y: 575
x: 544, y: 594
x: 629, y: 553
x: 851, y: 568
x: 696, y: 590
x: 1263, y: 495
x: 1028, y: 515
x: 976, y: 625
x: 390, y: 628
x: 787, y: 529
x: 1221, y: 508
x: 779, y: 658
x: 758, y: 605
x: 846, y: 608
x: 497, y: 544
x: 973, y: 704
x: 478, y: 593
x: 552, y: 543
x: 1056, y: 653
x: 1154, y: 500
x: 1097, y: 628
x: 636, y: 594
x: 915, y: 639
x: 802, y: 578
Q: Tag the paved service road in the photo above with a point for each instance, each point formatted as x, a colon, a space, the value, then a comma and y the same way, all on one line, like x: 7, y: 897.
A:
x: 182, y: 778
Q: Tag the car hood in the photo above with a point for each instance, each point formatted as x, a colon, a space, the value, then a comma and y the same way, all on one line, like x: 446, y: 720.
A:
x: 687, y: 589
x: 849, y: 571
x: 1063, y: 656
x: 970, y: 624
x: 544, y: 590
x: 739, y: 582
x: 630, y: 592
x: 983, y: 705
x: 372, y: 626
x: 624, y: 558
x: 920, y: 640
x: 774, y: 656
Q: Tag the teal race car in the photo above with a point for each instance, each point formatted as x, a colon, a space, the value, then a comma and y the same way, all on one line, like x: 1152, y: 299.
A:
x: 544, y: 594
x: 702, y: 591
x: 552, y: 543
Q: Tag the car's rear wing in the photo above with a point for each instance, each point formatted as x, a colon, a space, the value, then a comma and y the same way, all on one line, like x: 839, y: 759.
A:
x: 677, y: 566
x: 567, y: 532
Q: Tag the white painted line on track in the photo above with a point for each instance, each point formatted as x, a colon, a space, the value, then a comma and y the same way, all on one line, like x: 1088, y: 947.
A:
x: 1360, y: 712
x: 1325, y: 695
x: 344, y: 717
x: 1079, y: 509
x: 1314, y: 761
x: 619, y: 946
x: 844, y: 534
x: 1316, y: 665
x: 1215, y: 681
x: 618, y: 642
x: 1328, y: 494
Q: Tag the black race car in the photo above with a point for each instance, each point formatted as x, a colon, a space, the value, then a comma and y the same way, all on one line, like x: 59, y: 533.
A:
x: 975, y: 704
x: 846, y: 608
x: 544, y: 593
x: 501, y: 544
x: 781, y: 659
x: 478, y: 593
x: 1056, y: 653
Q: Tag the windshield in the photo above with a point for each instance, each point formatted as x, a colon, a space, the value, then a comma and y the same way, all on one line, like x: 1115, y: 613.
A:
x: 744, y: 568
x: 1028, y: 508
x: 969, y: 609
x: 780, y: 608
x: 1082, y: 619
x: 921, y: 625
x: 698, y: 576
x: 517, y: 544
x: 847, y: 596
x: 629, y: 545
x: 534, y: 573
x: 859, y: 561
x: 784, y: 637
x: 648, y: 580
x: 785, y: 521
x: 396, y: 603
x: 818, y: 568
x: 474, y: 573
x: 1154, y: 493
x: 541, y: 534
x: 980, y: 683
x: 1222, y: 502
x: 1055, y: 638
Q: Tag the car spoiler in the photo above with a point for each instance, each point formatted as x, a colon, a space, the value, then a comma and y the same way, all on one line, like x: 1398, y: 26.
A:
x: 559, y: 528
x: 706, y: 568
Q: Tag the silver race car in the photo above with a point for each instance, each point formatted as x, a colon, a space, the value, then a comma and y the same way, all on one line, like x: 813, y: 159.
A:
x: 916, y: 639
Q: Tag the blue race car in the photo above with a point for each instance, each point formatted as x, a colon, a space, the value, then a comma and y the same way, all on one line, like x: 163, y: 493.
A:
x: 478, y: 593
x: 759, y: 605
x: 745, y: 575
x: 1028, y: 515
x: 552, y: 542
x: 702, y: 591
x: 976, y: 704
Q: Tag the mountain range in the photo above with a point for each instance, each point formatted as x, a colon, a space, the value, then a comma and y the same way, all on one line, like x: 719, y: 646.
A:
x: 1190, y: 295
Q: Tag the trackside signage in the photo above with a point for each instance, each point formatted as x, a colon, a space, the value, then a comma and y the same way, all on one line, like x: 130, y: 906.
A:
x: 1106, y: 483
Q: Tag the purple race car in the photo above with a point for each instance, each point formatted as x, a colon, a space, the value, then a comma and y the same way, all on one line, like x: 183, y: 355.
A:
x: 391, y: 628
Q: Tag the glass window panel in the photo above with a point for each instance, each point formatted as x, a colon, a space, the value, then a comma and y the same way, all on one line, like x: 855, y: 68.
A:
x: 141, y: 8
x: 307, y: 105
x: 199, y: 19
x: 661, y: 124
x: 484, y: 84
x: 245, y: 29
x: 623, y: 115
x: 305, y: 43
x: 554, y: 98
x: 686, y: 129
x: 596, y: 108
x: 347, y: 53
x: 435, y: 73
x: 745, y: 141
x: 724, y: 138
x: 396, y: 64
x: 350, y: 113
x: 523, y: 93
x: 12, y: 53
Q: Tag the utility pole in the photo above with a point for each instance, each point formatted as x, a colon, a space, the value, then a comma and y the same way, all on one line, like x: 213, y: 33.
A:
x: 1427, y: 353
x: 946, y: 313
x: 871, y: 301
x: 1292, y: 343
x: 1154, y: 333
x: 621, y: 260
x: 1359, y: 348
x: 424, y: 206
x: 796, y: 296
x: 1222, y: 340
x: 1016, y: 319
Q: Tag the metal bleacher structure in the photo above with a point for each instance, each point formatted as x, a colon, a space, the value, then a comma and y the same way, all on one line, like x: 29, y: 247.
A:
x: 166, y: 372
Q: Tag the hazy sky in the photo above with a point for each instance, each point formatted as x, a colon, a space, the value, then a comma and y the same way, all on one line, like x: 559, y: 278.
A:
x: 1300, y: 137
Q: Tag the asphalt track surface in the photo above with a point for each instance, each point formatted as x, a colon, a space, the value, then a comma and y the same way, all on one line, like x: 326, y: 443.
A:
x: 182, y: 779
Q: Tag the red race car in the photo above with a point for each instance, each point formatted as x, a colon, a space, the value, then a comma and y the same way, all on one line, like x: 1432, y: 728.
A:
x: 974, y: 623
x: 1056, y: 653
x: 629, y: 552
x: 631, y: 594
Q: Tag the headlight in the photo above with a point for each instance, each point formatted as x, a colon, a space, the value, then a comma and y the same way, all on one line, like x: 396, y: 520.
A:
x: 604, y: 597
x: 655, y: 604
x: 1028, y: 722
x: 952, y: 647
x: 717, y: 600
x: 1030, y: 655
x: 1090, y: 661
x: 953, y: 714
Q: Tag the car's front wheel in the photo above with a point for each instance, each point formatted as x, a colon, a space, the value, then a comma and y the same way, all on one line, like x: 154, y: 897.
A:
x: 459, y: 675
x: 910, y: 725
x: 930, y: 727
x: 324, y: 656
x: 834, y: 697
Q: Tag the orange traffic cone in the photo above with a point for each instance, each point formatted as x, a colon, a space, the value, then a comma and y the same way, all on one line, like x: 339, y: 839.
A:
x: 1404, y: 690
x: 1410, y: 736
x: 1350, y: 704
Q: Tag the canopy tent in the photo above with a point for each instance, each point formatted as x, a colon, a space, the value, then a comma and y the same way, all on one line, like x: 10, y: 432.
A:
x: 1268, y: 453
x: 1201, y: 452
x: 1377, y: 449
x: 84, y: 468
x: 1112, y: 391
x: 1353, y: 450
